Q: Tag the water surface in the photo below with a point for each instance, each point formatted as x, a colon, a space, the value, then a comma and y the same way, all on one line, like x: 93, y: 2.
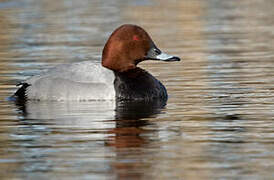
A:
x: 218, y: 121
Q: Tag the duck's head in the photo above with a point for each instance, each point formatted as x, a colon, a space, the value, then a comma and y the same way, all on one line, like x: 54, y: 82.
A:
x: 129, y: 45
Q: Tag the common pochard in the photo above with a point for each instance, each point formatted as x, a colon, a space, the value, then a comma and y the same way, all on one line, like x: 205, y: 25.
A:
x: 116, y: 77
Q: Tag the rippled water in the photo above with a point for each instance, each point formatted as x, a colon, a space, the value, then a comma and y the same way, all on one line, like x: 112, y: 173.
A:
x: 218, y: 121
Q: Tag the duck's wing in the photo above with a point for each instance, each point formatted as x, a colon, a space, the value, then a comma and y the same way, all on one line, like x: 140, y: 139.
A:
x: 77, y: 81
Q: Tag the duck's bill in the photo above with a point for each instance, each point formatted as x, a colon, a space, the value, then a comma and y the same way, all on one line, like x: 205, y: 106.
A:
x: 166, y: 57
x: 156, y: 54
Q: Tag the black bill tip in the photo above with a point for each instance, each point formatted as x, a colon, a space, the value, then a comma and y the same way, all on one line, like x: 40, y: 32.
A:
x: 174, y: 58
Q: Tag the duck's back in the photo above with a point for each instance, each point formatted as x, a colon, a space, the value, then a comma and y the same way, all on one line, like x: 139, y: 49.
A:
x: 78, y: 81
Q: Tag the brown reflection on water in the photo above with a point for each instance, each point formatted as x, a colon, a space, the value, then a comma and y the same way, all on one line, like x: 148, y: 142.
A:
x: 128, y: 141
x: 130, y: 137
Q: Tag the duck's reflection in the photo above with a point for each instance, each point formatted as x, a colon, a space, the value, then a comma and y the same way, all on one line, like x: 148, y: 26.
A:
x: 130, y: 137
x: 121, y: 126
x: 124, y: 110
x: 138, y: 109
x: 130, y: 118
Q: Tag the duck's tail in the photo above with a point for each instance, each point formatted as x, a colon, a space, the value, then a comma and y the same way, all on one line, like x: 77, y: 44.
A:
x: 21, y: 92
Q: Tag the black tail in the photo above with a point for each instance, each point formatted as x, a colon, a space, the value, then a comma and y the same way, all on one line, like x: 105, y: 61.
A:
x: 21, y: 92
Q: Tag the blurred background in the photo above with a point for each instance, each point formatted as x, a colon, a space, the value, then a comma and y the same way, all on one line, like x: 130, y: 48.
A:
x: 218, y: 121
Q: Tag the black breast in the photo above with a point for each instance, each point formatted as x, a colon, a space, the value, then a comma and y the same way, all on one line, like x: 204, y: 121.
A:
x: 137, y: 84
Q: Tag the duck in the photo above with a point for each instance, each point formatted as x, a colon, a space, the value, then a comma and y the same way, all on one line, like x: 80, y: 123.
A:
x: 116, y: 77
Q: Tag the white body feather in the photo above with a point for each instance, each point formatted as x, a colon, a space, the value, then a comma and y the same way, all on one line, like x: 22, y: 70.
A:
x: 78, y: 81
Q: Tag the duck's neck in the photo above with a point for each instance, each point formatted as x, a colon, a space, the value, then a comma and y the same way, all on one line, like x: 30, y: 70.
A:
x: 131, y: 73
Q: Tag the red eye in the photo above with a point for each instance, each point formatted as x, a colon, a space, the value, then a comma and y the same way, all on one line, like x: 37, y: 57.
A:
x: 135, y: 38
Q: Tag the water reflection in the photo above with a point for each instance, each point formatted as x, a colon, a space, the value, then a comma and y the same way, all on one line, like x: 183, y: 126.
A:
x: 124, y: 110
x: 130, y: 118
x: 130, y: 132
x: 120, y: 125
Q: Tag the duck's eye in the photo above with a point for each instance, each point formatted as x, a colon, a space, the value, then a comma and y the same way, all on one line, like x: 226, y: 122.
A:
x: 135, y: 38
x: 157, y: 51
